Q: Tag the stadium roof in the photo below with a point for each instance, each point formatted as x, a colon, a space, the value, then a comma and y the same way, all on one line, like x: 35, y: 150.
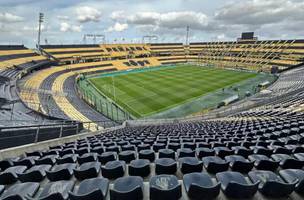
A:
x: 129, y: 20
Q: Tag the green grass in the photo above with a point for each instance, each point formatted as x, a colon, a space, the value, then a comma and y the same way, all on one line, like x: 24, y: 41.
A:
x: 145, y: 93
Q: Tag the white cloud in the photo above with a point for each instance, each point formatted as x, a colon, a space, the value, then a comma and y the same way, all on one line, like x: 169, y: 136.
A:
x: 66, y: 27
x: 260, y: 12
x: 87, y: 14
x: 118, y: 27
x: 10, y: 18
x: 63, y: 17
x: 169, y: 20
x: 144, y: 18
x: 196, y: 20
x: 118, y: 15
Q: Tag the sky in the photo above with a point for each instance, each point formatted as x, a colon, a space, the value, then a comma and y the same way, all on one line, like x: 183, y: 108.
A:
x: 127, y: 21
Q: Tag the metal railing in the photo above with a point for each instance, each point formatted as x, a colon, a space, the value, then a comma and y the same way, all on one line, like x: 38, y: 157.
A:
x: 37, y: 131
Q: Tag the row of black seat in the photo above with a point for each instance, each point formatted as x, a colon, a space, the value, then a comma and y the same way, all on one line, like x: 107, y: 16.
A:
x: 162, y: 187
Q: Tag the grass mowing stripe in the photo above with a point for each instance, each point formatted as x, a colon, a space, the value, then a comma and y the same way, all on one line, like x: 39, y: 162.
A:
x: 151, y: 91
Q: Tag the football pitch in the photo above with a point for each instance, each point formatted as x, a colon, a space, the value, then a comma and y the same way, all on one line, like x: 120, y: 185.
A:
x: 143, y: 93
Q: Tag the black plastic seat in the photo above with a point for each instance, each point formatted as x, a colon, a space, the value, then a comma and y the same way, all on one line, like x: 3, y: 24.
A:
x: 6, y: 163
x: 234, y: 185
x: 189, y: 145
x: 190, y: 164
x: 185, y: 152
x: 294, y: 175
x: 98, y: 149
x: 107, y: 157
x: 10, y: 175
x: 200, y: 186
x: 299, y: 156
x: 47, y: 160
x: 81, y: 151
x: 33, y: 153
x: 280, y: 150
x: 61, y: 172
x: 87, y: 170
x: 128, y: 147
x: 166, y: 153
x: 87, y: 157
x: 204, y: 152
x: 165, y: 166
x: 270, y: 184
x: 27, y: 161
x: 287, y: 162
x: 223, y: 151
x: 140, y: 167
x: 147, y: 154
x: 35, y: 174
x: 239, y: 163
x: 126, y: 188
x: 20, y: 191
x: 66, y: 152
x: 242, y: 151
x: 164, y: 187
x: 262, y: 162
x: 127, y: 156
x: 91, y: 189
x: 174, y: 146
x: 214, y: 164
x: 58, y: 190
x: 113, y: 169
x: 157, y: 146
x: 262, y: 150
x: 67, y: 158
x: 113, y: 148
x: 143, y: 147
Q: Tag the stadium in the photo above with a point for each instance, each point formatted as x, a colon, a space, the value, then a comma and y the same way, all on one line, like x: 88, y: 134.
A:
x: 151, y: 119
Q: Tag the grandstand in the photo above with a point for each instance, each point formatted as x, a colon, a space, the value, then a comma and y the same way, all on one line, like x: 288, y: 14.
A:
x: 58, y: 142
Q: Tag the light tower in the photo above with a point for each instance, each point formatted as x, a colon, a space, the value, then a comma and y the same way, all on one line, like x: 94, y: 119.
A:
x: 41, y: 19
x: 187, y: 35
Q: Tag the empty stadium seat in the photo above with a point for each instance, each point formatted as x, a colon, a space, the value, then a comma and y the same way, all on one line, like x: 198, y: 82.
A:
x: 56, y: 190
x: 200, y: 186
x: 239, y: 163
x: 87, y: 170
x: 87, y: 157
x: 147, y: 154
x: 10, y: 175
x: 166, y: 153
x: 287, y: 162
x: 35, y: 174
x: 294, y: 175
x: 190, y: 164
x: 113, y: 169
x: 263, y: 162
x: 67, y: 158
x: 106, y: 157
x: 20, y: 191
x: 270, y: 184
x: 125, y: 188
x: 91, y: 189
x: 165, y: 166
x: 61, y: 172
x: 215, y: 164
x: 163, y: 187
x: 234, y: 185
x: 127, y: 156
x: 140, y: 167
